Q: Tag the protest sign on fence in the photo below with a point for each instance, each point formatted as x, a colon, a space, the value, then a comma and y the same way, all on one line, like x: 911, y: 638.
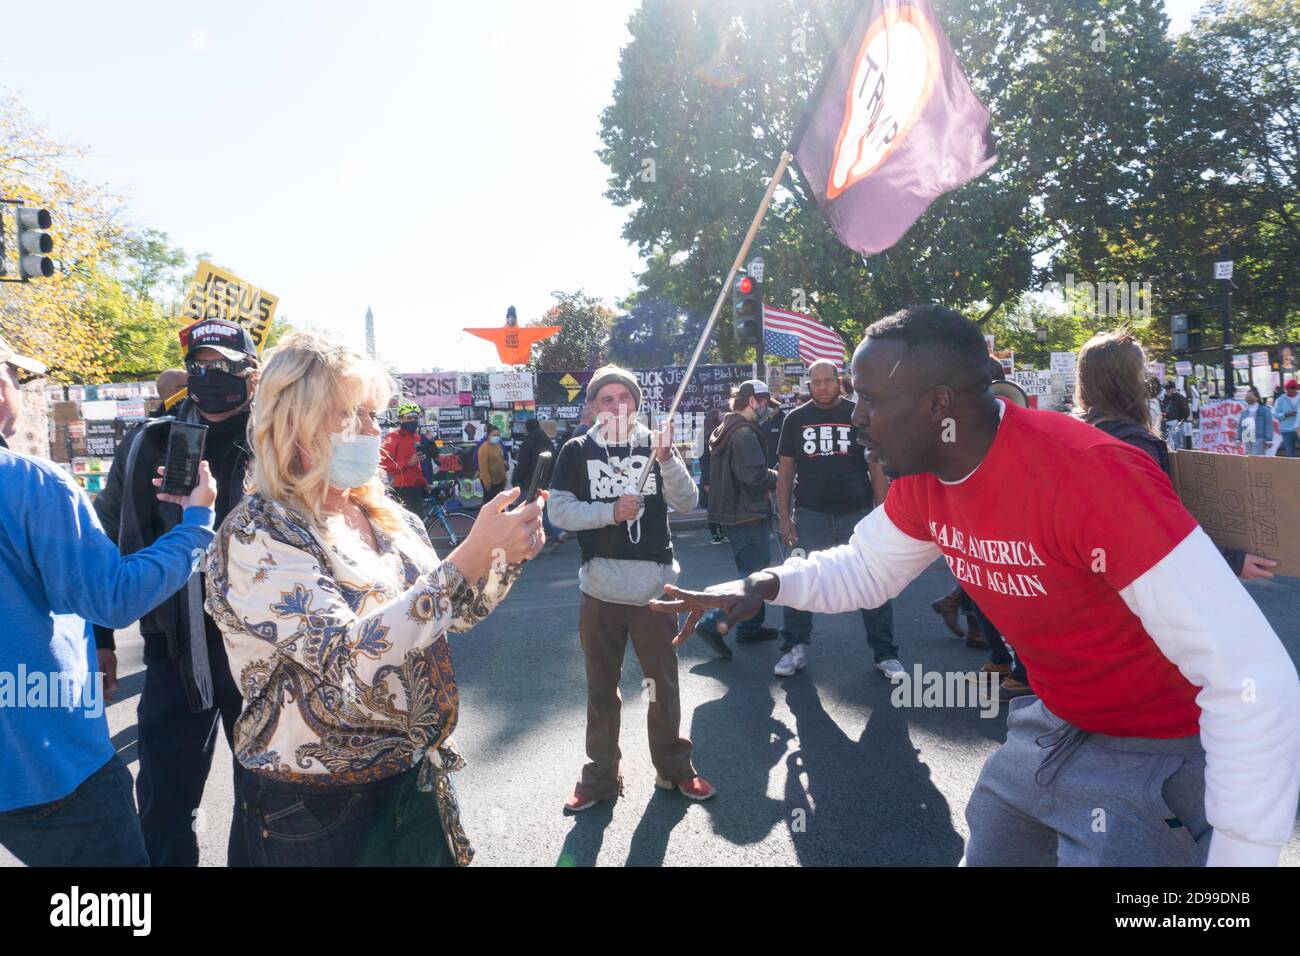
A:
x: 563, y: 388
x: 1219, y: 427
x: 1251, y: 502
x: 430, y: 389
x: 508, y: 387
x: 102, y: 438
x: 709, y: 388
x: 559, y: 413
x: 99, y: 411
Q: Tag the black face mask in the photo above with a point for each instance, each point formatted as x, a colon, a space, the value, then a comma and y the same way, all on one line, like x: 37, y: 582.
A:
x: 409, y: 427
x: 216, y: 392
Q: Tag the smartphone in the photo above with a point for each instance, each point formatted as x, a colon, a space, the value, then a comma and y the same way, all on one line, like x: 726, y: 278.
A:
x: 541, y: 479
x: 184, y: 452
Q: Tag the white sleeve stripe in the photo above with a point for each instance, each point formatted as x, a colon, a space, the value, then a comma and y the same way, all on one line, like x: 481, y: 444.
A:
x: 877, y: 563
x: 1204, y: 622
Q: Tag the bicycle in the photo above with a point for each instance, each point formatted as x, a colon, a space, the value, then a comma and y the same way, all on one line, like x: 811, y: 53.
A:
x: 445, y: 522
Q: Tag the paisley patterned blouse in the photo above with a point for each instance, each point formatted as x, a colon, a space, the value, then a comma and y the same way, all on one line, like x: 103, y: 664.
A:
x: 346, y: 675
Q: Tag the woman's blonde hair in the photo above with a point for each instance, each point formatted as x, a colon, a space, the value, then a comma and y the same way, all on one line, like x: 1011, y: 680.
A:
x: 1112, y: 380
x: 312, y: 387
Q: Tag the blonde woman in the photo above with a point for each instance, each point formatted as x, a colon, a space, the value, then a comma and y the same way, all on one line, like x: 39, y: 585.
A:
x: 335, y: 612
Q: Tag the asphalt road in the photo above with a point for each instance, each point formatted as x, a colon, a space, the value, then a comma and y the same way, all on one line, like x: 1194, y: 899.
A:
x: 817, y: 769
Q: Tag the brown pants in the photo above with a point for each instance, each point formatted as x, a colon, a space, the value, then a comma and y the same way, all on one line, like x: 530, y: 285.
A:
x: 604, y: 629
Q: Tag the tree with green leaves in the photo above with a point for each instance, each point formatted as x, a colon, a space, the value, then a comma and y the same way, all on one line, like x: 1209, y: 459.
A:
x: 1224, y: 168
x: 583, y: 339
x: 1088, y: 97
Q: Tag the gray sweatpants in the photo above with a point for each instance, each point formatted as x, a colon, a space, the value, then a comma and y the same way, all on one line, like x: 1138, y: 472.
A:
x: 1054, y: 795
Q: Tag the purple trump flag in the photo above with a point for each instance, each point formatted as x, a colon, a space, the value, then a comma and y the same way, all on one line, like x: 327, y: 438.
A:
x: 893, y: 126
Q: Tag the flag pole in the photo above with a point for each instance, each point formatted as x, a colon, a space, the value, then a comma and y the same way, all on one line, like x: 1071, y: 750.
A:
x: 722, y: 296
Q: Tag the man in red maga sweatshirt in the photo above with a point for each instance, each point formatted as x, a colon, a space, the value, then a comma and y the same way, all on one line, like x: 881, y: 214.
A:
x: 1166, y: 730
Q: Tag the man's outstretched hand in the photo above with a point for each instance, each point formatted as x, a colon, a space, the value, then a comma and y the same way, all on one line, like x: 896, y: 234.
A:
x: 741, y: 600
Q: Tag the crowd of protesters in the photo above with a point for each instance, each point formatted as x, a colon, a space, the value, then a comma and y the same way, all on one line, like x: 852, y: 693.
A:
x: 1261, y: 429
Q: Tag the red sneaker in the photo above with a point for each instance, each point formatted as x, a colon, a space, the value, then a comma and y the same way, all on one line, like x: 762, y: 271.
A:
x: 697, y: 788
x: 579, y: 801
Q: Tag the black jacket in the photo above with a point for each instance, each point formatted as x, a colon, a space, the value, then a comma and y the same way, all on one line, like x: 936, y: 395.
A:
x: 162, y: 628
x: 526, y: 457
x: 771, y: 430
x: 1175, y: 407
x: 740, y: 483
x: 706, y: 462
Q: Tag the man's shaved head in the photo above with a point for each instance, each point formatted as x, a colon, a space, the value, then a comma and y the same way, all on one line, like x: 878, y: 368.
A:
x: 921, y: 377
x: 946, y: 345
x: 170, y: 382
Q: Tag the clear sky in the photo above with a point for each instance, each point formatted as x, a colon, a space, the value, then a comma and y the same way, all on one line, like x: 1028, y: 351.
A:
x: 433, y: 160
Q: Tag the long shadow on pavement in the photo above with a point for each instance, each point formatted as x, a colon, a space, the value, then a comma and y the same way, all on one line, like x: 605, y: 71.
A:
x: 584, y: 839
x: 865, y: 802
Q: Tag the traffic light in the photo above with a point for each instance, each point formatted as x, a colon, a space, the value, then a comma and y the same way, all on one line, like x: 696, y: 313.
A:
x: 1185, y: 331
x: 747, y: 310
x: 33, y: 243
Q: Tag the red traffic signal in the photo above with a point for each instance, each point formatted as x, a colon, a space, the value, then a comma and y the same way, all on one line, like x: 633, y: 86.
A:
x: 747, y: 310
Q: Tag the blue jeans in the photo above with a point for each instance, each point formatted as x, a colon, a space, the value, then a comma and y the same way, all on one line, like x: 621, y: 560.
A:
x: 95, y: 825
x: 1290, y: 447
x: 386, y: 823
x: 751, y: 546
x: 817, y: 532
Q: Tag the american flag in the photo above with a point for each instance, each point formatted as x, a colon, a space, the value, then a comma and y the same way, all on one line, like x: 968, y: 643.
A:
x: 794, y: 335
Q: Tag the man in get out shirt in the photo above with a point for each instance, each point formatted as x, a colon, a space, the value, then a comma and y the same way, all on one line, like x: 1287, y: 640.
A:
x: 1166, y: 730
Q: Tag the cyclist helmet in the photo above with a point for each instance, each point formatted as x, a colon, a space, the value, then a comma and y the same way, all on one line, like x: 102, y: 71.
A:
x: 407, y: 408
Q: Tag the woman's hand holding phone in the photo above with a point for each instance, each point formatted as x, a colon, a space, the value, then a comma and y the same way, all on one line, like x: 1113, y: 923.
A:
x: 204, y: 494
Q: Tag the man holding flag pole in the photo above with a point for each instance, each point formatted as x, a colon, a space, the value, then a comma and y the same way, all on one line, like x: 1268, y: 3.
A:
x: 1167, y: 726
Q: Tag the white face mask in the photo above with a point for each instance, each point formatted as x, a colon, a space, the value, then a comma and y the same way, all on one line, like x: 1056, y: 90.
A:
x: 495, y: 439
x: 353, y: 461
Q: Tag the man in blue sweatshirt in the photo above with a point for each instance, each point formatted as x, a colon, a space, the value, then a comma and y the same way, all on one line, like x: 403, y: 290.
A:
x: 65, y: 796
